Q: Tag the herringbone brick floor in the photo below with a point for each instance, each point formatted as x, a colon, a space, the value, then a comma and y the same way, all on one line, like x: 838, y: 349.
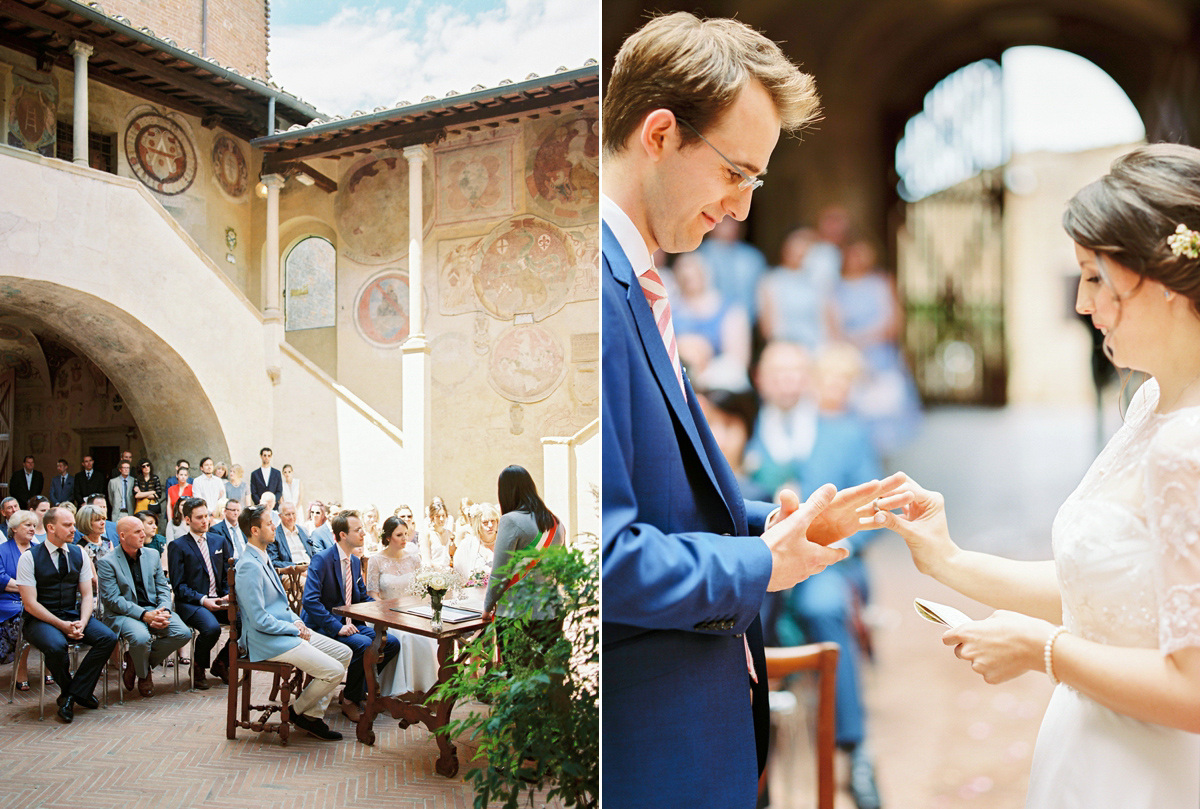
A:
x: 170, y: 752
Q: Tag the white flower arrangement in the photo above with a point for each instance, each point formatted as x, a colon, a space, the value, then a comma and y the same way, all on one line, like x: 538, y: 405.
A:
x: 1184, y: 242
x: 435, y: 579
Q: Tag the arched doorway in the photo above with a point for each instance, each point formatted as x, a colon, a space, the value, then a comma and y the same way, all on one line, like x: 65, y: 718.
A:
x: 88, y: 378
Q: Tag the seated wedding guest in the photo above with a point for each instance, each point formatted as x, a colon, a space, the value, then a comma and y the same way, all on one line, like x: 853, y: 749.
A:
x: 291, y: 487
x: 154, y: 539
x: 236, y: 488
x: 176, y: 526
x: 711, y: 331
x: 271, y: 631
x: 462, y: 523
x: 92, y: 525
x: 8, y: 507
x: 388, y: 576
x: 405, y: 513
x: 436, y: 539
x: 100, y: 503
x: 196, y: 563
x: 147, y: 489
x: 137, y: 605
x: 178, y: 487
x: 21, y: 526
x: 320, y: 533
x: 335, y: 580
x: 292, y: 545
x: 475, y: 547
x: 268, y: 500
x: 227, y: 528
x: 525, y: 522
x: 50, y: 578
x: 786, y: 430
x: 39, y: 506
x: 825, y: 605
x: 370, y: 521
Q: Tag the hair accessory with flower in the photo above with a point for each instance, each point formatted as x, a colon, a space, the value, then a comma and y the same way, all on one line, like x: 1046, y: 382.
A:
x: 1185, y: 242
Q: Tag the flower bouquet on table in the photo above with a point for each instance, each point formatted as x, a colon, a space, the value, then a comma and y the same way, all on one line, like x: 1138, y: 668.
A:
x: 434, y: 582
x: 478, y: 578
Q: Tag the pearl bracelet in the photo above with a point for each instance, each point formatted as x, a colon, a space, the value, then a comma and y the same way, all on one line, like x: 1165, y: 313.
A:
x: 1048, y: 653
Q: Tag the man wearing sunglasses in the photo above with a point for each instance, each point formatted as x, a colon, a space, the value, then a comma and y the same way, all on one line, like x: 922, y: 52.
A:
x: 692, y: 113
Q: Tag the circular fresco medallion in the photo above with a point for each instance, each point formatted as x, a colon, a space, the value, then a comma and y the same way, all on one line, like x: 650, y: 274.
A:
x: 381, y: 311
x: 565, y: 176
x: 160, y: 153
x: 229, y: 166
x: 527, y: 363
x: 527, y: 267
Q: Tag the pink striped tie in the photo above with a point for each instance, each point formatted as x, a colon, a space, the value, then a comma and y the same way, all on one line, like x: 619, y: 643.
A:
x: 660, y: 307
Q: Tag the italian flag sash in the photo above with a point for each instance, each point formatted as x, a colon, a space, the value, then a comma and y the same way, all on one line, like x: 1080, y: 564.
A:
x: 543, y: 541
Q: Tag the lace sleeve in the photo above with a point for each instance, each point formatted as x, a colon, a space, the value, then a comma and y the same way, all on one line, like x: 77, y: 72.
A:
x: 373, y: 572
x: 1173, y: 515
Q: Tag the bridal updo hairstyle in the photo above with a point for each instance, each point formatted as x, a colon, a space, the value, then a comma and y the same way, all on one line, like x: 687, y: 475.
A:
x: 1128, y: 214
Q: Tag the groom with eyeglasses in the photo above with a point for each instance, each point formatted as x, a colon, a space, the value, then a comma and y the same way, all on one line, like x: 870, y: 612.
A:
x: 692, y: 113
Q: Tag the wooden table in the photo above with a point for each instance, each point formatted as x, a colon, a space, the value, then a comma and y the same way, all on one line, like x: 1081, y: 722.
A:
x: 413, y: 707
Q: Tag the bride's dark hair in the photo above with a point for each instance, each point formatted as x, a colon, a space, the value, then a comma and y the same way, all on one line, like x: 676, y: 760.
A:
x: 1128, y: 214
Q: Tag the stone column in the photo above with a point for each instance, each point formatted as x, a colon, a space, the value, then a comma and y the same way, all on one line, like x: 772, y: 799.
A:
x: 416, y: 399
x: 272, y: 312
x: 81, y: 51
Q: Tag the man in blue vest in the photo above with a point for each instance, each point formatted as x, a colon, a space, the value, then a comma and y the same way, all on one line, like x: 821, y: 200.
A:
x: 50, y: 577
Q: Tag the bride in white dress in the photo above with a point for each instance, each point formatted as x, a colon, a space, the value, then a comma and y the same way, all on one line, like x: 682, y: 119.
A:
x: 1114, y: 620
x: 389, y: 574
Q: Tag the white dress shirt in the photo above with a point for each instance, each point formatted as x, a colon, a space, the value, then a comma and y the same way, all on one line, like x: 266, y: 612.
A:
x: 25, y: 575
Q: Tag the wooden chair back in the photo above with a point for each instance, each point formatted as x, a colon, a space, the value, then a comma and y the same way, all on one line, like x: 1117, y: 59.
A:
x: 821, y: 658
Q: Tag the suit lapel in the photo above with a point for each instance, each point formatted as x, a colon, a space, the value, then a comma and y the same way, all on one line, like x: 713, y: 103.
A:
x: 270, y: 572
x: 656, y: 352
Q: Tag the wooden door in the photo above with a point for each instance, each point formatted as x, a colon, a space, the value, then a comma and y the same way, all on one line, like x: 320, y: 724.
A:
x: 7, y: 406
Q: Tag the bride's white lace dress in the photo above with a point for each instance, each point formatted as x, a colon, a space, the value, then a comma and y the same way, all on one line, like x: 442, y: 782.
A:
x: 415, y: 667
x: 1127, y: 552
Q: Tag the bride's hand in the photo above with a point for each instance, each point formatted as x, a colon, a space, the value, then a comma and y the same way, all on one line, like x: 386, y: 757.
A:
x: 1002, y: 646
x: 841, y: 518
x: 922, y: 523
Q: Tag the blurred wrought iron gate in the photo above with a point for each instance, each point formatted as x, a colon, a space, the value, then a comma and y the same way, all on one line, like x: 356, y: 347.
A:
x: 950, y: 275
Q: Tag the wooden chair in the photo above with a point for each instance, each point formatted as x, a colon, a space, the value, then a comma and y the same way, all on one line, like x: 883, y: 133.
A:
x: 293, y: 585
x: 820, y: 658
x: 240, y: 670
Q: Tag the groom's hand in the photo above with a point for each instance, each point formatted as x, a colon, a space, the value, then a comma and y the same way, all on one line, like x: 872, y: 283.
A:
x: 793, y: 557
x: 842, y: 518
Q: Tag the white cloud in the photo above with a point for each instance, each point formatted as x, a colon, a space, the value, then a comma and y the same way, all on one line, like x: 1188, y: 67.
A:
x: 361, y: 59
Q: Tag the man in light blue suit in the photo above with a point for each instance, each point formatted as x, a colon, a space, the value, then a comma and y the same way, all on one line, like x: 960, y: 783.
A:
x: 693, y: 111
x: 271, y: 631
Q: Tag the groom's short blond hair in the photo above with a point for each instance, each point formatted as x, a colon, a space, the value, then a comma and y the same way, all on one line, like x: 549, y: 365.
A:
x: 695, y: 68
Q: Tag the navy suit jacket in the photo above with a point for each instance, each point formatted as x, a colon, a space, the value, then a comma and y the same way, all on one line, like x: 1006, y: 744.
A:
x: 221, y: 531
x: 61, y: 492
x: 323, y: 591
x: 189, y: 577
x: 279, y: 552
x: 258, y: 486
x: 683, y: 576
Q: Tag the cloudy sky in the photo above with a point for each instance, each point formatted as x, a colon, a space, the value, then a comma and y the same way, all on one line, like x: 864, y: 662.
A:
x: 360, y: 54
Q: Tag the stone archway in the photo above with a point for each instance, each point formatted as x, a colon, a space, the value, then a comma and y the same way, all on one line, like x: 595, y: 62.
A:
x: 170, y: 407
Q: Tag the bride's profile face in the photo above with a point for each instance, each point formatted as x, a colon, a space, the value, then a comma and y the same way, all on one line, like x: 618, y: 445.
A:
x: 1126, y: 313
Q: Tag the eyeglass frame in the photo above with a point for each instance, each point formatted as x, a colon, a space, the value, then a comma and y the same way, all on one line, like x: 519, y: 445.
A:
x: 747, y: 182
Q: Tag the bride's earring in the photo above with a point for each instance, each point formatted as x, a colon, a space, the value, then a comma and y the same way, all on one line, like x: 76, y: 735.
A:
x: 1167, y: 294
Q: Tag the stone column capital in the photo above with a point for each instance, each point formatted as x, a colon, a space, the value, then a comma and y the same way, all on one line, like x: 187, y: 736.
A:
x: 416, y: 154
x: 273, y: 180
x: 78, y: 48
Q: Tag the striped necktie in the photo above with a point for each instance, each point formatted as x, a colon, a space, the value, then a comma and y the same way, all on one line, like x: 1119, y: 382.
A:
x: 660, y: 307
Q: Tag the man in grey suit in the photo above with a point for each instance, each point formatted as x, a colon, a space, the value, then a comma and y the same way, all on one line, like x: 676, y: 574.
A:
x: 120, y: 492
x: 271, y: 631
x: 137, y: 605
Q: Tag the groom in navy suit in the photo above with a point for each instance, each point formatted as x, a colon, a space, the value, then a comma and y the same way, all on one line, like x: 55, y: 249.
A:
x: 325, y: 590
x: 692, y: 113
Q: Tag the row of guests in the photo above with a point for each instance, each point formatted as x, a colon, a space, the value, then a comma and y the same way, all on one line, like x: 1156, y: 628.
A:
x: 129, y: 488
x: 56, y: 590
